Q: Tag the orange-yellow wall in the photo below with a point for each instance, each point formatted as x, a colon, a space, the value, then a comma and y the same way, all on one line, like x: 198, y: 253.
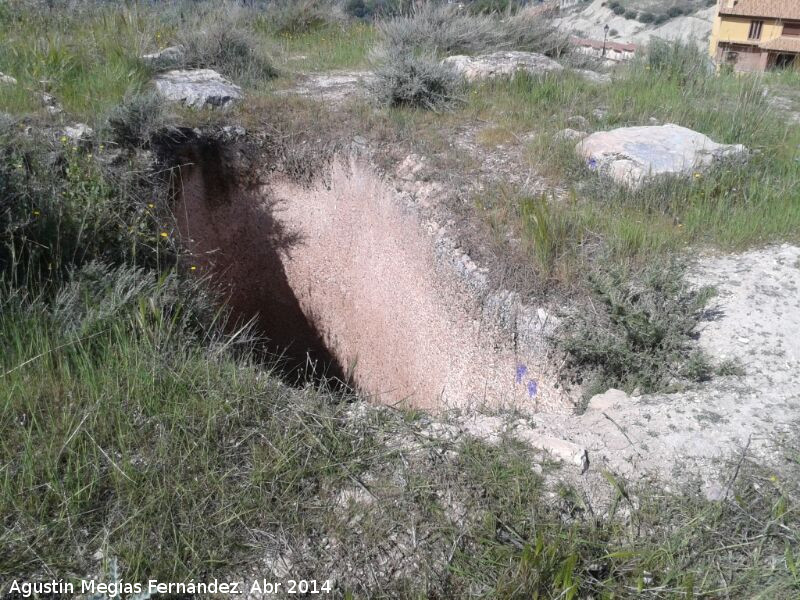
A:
x: 736, y: 29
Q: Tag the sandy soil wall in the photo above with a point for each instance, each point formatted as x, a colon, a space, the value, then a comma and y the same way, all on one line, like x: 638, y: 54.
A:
x: 342, y: 276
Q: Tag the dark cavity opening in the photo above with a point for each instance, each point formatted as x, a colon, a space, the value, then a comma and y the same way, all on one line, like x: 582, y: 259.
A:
x: 227, y: 222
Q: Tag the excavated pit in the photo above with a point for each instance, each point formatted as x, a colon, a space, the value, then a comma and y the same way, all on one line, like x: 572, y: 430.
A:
x: 344, y: 281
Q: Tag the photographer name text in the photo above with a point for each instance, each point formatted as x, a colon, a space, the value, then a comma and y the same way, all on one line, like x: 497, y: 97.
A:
x: 118, y: 589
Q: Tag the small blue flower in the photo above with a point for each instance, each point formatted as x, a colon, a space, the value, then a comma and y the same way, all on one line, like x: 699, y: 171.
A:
x: 532, y: 388
x: 592, y: 164
x: 522, y: 370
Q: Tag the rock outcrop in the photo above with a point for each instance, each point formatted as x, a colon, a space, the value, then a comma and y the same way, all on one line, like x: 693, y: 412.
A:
x: 507, y: 63
x: 7, y: 79
x: 79, y: 132
x: 500, y: 64
x: 197, y: 88
x: 631, y: 155
x: 51, y: 104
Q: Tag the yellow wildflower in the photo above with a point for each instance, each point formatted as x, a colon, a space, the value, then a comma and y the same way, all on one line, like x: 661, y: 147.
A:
x: 164, y: 234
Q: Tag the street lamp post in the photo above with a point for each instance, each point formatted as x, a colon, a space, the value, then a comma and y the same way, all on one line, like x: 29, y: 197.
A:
x: 605, y: 38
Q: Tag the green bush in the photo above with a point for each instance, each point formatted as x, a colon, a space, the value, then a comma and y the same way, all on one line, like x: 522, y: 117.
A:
x: 618, y: 9
x: 640, y: 333
x: 646, y: 17
x: 413, y: 80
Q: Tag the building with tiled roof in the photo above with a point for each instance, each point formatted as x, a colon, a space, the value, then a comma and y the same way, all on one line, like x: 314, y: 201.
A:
x: 756, y: 35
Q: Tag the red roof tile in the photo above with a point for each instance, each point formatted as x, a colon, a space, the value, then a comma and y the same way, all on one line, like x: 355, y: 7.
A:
x: 784, y: 43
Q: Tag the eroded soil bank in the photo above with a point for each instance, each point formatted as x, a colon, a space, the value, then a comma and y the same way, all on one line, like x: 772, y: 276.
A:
x: 343, y: 279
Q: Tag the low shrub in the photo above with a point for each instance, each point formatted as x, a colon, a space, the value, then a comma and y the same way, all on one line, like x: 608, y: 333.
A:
x: 413, y: 80
x: 646, y: 17
x: 533, y: 33
x: 132, y: 122
x: 618, y: 10
x: 640, y: 333
x: 360, y: 9
x: 631, y: 14
x: 438, y: 28
x: 370, y: 9
x: 302, y: 16
x: 220, y: 39
x: 445, y: 30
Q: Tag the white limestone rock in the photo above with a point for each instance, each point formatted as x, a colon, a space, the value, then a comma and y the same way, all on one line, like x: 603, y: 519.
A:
x: 632, y: 155
x: 79, y: 132
x: 501, y: 64
x: 197, y: 88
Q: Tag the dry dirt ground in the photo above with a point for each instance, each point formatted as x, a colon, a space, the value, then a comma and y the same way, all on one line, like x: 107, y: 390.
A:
x: 332, y: 87
x: 757, y: 324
